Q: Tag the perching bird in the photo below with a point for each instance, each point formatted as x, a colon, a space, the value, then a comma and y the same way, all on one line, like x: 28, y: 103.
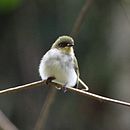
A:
x: 60, y: 64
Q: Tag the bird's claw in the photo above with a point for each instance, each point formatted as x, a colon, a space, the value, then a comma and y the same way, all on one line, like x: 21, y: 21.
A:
x: 64, y: 87
x: 49, y: 80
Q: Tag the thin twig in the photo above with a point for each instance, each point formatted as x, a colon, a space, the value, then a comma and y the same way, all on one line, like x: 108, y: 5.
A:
x: 80, y: 19
x: 42, y: 119
x: 30, y: 85
x: 124, y: 9
x: 70, y: 89
x: 5, y: 123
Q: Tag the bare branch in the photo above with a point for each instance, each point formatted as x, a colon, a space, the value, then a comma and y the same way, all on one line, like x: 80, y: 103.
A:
x: 42, y: 119
x: 124, y: 9
x: 70, y: 89
x: 30, y: 85
x: 5, y: 123
x: 80, y: 19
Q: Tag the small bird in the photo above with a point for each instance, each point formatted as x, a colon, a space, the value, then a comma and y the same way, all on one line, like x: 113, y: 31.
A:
x: 60, y: 64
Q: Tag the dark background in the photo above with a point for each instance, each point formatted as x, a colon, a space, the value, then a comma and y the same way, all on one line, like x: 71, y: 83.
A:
x: 27, y: 30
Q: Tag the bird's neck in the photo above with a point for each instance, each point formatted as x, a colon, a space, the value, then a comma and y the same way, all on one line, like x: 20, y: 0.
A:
x: 69, y: 51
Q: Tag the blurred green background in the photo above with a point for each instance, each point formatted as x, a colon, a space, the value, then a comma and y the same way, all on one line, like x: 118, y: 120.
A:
x: 27, y: 30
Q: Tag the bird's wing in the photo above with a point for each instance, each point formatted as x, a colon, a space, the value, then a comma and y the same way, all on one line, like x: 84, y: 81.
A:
x: 77, y: 72
x: 76, y: 68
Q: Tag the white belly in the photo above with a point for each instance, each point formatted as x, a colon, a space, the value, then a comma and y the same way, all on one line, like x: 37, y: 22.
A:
x: 55, y: 64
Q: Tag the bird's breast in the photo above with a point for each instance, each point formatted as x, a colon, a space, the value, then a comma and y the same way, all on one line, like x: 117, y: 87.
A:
x: 60, y: 66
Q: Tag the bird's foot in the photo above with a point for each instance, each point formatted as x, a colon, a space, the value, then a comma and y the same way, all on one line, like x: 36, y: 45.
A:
x: 49, y: 80
x: 64, y: 88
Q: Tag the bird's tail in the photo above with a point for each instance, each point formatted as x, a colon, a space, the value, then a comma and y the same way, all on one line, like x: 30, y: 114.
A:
x: 82, y: 83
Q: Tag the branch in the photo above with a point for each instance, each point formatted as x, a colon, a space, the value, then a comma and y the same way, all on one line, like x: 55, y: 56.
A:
x: 42, y: 119
x: 124, y: 9
x: 5, y: 123
x: 30, y: 85
x: 69, y: 89
x: 80, y: 19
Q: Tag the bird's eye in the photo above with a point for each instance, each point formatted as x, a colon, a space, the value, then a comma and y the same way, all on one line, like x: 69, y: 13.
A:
x: 63, y: 44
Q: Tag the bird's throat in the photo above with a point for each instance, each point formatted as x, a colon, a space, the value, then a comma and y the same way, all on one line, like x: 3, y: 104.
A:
x: 68, y: 50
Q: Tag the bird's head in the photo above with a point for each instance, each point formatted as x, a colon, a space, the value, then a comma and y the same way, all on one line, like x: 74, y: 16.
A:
x: 65, y: 44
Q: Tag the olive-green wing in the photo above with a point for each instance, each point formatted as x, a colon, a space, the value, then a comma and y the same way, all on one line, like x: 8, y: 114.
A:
x: 77, y: 72
x: 76, y: 69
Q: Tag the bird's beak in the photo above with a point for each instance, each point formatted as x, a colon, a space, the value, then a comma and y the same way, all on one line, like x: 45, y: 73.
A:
x: 70, y: 44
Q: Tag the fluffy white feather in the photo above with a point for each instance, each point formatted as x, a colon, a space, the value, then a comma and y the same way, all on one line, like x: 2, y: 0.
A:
x: 58, y: 65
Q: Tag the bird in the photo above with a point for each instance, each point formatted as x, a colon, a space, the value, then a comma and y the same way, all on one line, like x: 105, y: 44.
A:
x: 60, y: 64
